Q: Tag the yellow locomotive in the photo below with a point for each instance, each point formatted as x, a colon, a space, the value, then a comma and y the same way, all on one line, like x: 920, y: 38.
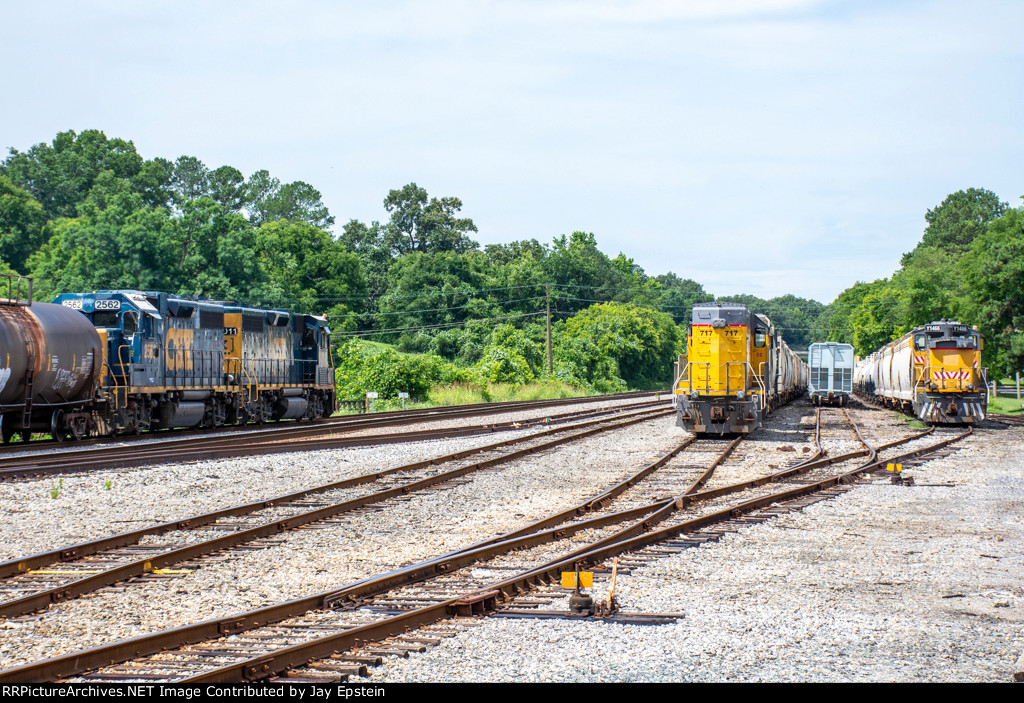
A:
x: 737, y: 369
x: 933, y: 371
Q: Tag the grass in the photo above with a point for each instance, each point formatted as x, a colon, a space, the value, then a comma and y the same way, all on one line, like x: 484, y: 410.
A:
x: 470, y: 393
x: 466, y: 393
x: 1006, y: 404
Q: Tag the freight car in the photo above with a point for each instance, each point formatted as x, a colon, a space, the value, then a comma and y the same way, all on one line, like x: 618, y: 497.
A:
x: 126, y: 361
x: 934, y: 372
x: 737, y: 369
x: 49, y: 367
x: 830, y: 373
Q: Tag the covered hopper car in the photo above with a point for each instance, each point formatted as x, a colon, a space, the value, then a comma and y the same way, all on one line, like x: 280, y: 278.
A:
x: 934, y: 372
x: 830, y: 373
x: 736, y: 370
x: 127, y: 361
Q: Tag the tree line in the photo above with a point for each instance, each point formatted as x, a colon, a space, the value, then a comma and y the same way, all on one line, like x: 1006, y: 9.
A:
x: 87, y: 212
x: 968, y: 266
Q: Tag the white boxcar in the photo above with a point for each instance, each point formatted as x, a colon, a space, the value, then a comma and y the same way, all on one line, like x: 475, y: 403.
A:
x: 830, y: 373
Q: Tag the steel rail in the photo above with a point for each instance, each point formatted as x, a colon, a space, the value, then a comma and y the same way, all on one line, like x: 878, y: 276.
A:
x: 224, y: 448
x: 71, y: 664
x: 355, y: 422
x: 268, y: 664
x: 66, y: 591
x: 36, y: 561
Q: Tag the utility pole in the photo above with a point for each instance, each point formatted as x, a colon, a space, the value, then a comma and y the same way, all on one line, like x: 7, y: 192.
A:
x: 547, y: 301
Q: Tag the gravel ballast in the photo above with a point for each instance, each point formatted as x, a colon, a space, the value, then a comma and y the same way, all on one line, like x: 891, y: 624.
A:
x: 926, y: 587
x: 883, y: 583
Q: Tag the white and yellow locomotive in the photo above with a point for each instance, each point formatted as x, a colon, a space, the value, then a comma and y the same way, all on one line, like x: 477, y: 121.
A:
x: 933, y: 371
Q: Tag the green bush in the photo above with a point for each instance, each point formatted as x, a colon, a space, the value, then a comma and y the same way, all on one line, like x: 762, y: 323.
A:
x: 362, y: 368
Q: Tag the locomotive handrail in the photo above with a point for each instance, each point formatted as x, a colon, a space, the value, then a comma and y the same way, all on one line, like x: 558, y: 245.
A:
x: 253, y: 382
x: 759, y: 377
x: 122, y: 364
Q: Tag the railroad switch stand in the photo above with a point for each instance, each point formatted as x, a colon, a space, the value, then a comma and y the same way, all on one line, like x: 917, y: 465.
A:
x: 898, y: 478
x: 580, y: 602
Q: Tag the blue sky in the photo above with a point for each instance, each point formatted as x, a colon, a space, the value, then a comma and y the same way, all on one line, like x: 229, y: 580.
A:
x: 765, y: 147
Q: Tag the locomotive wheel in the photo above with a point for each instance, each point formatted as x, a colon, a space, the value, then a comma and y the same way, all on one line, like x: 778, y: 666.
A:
x: 57, y: 429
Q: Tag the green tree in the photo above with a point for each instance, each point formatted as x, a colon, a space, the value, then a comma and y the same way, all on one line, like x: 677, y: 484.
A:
x: 23, y: 226
x: 267, y: 200
x: 679, y: 295
x: 424, y: 224
x: 994, y: 295
x: 125, y: 245
x: 312, y: 271
x: 642, y: 344
x: 60, y: 175
x: 955, y: 223
x: 583, y: 273
x: 433, y: 289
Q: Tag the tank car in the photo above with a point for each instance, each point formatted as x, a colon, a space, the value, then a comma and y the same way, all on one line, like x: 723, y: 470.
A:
x: 50, y: 358
x: 736, y: 370
x: 830, y: 373
x: 934, y: 372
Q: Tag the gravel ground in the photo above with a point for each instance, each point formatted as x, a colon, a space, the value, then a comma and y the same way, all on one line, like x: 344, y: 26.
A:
x: 101, y: 503
x: 883, y: 583
x: 311, y: 561
x: 922, y: 591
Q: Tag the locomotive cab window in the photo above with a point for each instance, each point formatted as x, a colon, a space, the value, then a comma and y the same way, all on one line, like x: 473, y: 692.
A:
x: 919, y: 342
x: 131, y: 323
x: 759, y: 339
x: 104, y: 319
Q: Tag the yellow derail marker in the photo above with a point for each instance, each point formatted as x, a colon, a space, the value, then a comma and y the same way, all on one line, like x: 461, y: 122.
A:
x: 898, y: 468
x: 569, y: 579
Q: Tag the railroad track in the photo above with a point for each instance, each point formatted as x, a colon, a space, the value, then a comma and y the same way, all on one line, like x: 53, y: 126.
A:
x: 310, y: 637
x: 290, y: 439
x: 327, y: 425
x: 1016, y: 420
x: 35, y: 582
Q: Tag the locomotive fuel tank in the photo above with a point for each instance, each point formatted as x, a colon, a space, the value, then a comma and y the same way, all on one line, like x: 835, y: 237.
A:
x: 50, y: 356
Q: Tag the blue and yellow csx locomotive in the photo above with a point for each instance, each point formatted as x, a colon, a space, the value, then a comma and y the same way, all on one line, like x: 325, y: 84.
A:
x: 146, y: 360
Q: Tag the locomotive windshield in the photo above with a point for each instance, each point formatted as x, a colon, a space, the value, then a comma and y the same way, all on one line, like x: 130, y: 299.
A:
x: 105, y: 319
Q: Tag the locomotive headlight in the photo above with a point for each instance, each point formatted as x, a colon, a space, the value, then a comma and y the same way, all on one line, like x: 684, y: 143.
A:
x: 695, y: 394
x: 740, y: 394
